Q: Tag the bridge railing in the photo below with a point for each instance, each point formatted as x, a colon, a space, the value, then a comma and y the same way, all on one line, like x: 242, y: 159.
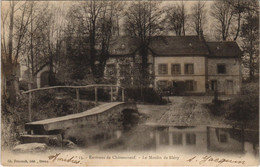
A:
x: 95, y: 86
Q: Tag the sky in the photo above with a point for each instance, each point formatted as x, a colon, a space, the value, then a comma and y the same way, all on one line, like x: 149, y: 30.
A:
x: 64, y: 6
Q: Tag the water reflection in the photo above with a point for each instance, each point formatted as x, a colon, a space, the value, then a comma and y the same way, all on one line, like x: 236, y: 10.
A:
x: 201, y: 139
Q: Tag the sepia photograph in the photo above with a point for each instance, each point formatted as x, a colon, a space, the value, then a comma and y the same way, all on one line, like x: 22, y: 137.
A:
x: 130, y: 83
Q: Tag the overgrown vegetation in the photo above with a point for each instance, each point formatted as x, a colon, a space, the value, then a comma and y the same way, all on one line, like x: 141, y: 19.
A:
x: 243, y: 109
x: 45, y: 105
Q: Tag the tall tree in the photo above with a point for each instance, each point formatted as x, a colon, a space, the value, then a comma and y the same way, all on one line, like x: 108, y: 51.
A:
x: 250, y: 38
x: 92, y: 23
x: 142, y: 20
x: 223, y: 12
x: 17, y: 26
x: 239, y: 7
x: 199, y: 17
x: 176, y: 18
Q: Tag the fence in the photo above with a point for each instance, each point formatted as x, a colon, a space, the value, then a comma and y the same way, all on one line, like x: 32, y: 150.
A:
x: 95, y: 86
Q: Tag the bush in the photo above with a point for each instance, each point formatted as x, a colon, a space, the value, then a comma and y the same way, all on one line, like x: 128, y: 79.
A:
x: 149, y: 95
x: 250, y: 88
x: 244, y: 108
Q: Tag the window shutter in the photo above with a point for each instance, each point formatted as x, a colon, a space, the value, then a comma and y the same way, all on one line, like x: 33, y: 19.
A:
x: 186, y: 85
x: 195, y: 85
x: 168, y: 83
x: 159, y: 68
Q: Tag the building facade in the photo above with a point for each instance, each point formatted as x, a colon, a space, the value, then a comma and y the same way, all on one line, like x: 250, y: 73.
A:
x: 185, y: 64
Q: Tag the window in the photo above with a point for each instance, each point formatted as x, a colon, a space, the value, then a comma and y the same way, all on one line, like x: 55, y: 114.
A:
x: 164, y: 138
x: 190, y: 139
x: 163, y: 68
x: 177, y: 138
x: 214, y: 84
x: 111, y: 69
x: 176, y: 69
x: 190, y: 85
x: 125, y: 70
x: 162, y: 84
x: 189, y: 69
x: 221, y: 68
x: 223, y: 138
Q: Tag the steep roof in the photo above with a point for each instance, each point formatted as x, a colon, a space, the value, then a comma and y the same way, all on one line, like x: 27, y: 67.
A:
x: 224, y: 49
x: 175, y: 46
x: 178, y: 46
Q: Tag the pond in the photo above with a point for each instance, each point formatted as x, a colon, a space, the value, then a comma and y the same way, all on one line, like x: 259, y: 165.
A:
x: 182, y: 139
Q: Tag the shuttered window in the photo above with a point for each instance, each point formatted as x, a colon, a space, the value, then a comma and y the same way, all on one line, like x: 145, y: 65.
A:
x: 163, y: 68
x: 190, y: 85
x: 189, y: 69
x: 176, y: 69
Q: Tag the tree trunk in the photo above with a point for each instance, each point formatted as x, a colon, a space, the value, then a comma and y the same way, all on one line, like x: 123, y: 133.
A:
x: 238, y: 26
x: 12, y: 86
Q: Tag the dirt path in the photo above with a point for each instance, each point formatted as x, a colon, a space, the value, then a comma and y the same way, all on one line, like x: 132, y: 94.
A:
x: 183, y: 111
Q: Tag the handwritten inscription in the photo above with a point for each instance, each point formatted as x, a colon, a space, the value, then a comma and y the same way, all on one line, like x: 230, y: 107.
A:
x: 74, y: 159
x: 56, y: 157
x: 211, y: 159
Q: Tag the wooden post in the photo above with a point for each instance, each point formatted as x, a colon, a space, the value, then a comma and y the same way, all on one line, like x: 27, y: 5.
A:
x: 96, y: 97
x: 123, y: 95
x: 111, y: 94
x: 30, y: 103
x: 77, y: 96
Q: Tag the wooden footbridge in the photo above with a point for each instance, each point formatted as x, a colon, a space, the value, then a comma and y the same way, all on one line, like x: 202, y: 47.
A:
x: 40, y: 131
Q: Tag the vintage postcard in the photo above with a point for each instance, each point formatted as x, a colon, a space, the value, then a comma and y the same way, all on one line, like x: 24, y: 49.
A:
x: 130, y: 83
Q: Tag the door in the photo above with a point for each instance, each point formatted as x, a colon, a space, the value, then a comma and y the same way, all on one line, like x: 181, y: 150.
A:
x: 45, y: 79
x: 229, y: 90
x: 178, y: 87
x: 213, y: 85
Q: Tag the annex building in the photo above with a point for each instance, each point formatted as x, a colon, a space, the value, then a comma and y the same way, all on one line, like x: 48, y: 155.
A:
x: 188, y: 64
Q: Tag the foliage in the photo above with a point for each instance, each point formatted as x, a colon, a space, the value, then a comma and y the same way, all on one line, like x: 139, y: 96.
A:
x: 244, y: 108
x: 90, y: 29
x: 23, y: 85
x: 143, y: 20
x: 250, y: 38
